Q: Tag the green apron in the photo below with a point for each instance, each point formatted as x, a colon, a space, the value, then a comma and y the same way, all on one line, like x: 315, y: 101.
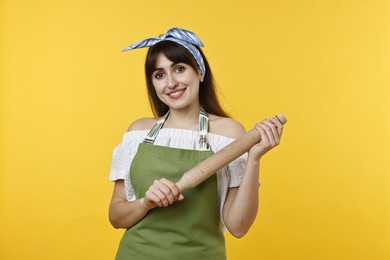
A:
x: 187, y: 229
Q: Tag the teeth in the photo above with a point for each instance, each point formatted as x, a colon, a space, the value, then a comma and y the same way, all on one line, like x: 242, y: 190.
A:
x: 176, y: 94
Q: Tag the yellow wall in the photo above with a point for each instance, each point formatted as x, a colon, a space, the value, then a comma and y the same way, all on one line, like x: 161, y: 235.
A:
x: 68, y: 94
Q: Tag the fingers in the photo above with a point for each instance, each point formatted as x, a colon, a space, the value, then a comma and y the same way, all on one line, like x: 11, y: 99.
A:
x: 279, y: 125
x: 268, y: 139
x: 170, y: 189
x: 270, y: 132
x: 163, y: 193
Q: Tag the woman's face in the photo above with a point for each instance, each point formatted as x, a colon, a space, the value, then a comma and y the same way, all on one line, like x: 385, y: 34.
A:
x: 176, y: 84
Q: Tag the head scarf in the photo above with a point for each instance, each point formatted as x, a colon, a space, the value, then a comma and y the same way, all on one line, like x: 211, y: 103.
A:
x: 183, y: 37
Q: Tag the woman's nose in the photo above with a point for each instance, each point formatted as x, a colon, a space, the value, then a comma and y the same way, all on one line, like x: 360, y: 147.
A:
x: 171, y: 81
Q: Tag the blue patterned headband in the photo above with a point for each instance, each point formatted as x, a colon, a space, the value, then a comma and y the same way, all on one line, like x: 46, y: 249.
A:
x: 181, y: 36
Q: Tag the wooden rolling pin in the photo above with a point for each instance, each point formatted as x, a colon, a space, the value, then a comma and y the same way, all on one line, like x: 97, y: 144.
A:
x: 221, y: 158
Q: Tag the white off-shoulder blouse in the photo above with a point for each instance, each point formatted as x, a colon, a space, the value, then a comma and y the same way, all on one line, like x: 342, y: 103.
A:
x: 228, y: 177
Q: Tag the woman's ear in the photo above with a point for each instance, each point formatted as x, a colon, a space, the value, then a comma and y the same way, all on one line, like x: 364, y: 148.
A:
x: 201, y: 77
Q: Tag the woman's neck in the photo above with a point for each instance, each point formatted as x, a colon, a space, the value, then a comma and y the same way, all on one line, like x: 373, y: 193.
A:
x: 183, y: 118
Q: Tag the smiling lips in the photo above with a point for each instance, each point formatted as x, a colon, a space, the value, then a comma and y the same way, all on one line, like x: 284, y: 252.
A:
x: 176, y: 94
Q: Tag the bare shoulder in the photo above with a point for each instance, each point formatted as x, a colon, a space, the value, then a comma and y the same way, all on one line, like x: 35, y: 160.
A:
x: 226, y: 126
x: 145, y: 123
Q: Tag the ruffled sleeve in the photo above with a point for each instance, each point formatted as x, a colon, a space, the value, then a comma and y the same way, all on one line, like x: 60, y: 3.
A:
x: 236, y: 171
x: 122, y: 157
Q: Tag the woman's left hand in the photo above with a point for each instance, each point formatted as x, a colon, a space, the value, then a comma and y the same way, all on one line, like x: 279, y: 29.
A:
x: 270, y: 132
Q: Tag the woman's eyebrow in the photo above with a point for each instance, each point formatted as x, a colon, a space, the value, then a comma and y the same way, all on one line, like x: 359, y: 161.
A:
x: 172, y: 65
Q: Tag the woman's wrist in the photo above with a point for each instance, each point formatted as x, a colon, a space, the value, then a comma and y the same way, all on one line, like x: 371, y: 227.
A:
x: 254, y: 159
x: 143, y: 204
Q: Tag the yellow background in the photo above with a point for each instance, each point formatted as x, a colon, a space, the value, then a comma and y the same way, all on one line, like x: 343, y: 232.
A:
x: 68, y: 94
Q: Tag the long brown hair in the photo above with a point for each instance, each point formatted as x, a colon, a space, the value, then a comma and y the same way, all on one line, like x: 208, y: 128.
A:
x: 178, y: 54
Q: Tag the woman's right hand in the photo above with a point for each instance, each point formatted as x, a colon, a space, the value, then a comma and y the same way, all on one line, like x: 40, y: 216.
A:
x: 161, y: 193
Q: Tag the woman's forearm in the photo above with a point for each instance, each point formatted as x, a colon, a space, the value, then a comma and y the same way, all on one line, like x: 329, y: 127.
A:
x: 241, y: 207
x: 125, y: 214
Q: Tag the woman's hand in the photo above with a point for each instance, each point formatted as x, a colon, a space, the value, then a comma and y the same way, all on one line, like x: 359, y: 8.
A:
x: 161, y: 193
x: 270, y: 132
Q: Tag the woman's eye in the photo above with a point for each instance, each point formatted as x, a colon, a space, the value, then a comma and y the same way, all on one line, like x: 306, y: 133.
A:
x: 158, y: 75
x: 180, y: 69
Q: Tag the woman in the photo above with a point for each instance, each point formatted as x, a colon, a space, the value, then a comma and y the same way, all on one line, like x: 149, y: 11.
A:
x: 190, y: 125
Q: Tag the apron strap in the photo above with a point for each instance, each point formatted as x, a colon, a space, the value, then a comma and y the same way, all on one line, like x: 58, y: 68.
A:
x: 151, y: 136
x: 203, y: 130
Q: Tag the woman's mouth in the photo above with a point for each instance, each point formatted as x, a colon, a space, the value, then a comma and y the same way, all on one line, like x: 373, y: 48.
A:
x: 176, y: 94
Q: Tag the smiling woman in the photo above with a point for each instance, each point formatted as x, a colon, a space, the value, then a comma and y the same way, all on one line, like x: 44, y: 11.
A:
x: 176, y: 85
x: 189, y: 126
x: 178, y: 54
